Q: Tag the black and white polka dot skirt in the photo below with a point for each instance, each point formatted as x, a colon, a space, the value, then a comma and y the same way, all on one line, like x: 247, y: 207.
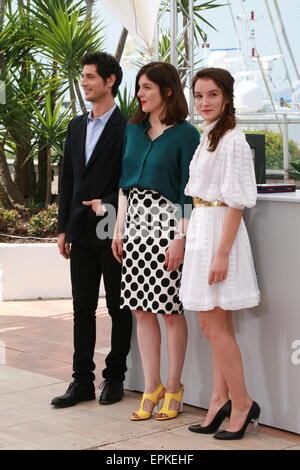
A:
x: 149, y: 227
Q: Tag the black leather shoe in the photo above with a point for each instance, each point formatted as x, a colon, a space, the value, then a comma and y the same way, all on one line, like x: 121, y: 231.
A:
x: 76, y: 393
x: 252, y: 415
x: 223, y: 413
x: 112, y: 392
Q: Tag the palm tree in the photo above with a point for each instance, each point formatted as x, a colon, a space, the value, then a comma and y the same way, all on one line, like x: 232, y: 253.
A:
x: 32, y: 83
x: 64, y: 38
x: 50, y: 128
x: 89, y: 6
x: 13, y: 115
x: 121, y: 44
x: 10, y: 195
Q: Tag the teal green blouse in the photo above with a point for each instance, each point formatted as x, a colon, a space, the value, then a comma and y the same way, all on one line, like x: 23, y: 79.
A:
x: 161, y: 164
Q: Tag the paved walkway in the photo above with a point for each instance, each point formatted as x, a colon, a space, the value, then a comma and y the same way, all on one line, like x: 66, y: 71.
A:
x: 35, y: 364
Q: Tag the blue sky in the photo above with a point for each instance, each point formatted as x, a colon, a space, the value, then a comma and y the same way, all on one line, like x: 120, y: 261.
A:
x: 225, y: 37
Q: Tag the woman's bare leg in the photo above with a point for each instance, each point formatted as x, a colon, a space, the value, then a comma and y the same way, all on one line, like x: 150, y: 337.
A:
x: 176, y: 328
x: 149, y: 339
x: 217, y: 327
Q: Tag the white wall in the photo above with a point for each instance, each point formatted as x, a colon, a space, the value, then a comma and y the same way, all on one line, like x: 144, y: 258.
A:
x: 34, y: 271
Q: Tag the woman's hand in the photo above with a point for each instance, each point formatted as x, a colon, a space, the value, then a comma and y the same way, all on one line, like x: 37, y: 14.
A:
x: 175, y: 254
x: 219, y: 269
x: 117, y: 248
x: 117, y: 243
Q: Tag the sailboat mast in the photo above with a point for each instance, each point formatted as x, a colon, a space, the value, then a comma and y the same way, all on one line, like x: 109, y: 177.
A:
x: 236, y: 32
x: 286, y: 38
x: 267, y: 86
x: 261, y: 67
x: 279, y: 45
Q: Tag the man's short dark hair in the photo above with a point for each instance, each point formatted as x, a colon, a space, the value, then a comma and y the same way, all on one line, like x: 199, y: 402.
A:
x: 106, y: 65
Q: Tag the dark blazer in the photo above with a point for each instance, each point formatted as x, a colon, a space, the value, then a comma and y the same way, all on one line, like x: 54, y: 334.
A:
x: 99, y: 179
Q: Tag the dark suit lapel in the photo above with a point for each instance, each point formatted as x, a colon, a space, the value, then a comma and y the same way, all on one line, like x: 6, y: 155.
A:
x: 108, y: 132
x: 79, y: 142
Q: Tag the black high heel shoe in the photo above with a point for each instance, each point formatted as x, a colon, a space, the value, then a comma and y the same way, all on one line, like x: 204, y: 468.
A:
x: 223, y: 413
x: 253, y: 415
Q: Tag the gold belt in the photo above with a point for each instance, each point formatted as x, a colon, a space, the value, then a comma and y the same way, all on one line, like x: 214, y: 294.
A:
x: 197, y: 202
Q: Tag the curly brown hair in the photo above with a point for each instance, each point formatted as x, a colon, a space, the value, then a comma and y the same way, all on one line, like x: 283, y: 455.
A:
x: 227, y: 121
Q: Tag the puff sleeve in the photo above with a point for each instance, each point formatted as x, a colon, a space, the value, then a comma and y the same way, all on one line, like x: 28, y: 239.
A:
x: 238, y: 184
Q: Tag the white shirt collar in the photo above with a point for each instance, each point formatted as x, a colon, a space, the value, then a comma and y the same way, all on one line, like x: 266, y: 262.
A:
x: 207, y: 127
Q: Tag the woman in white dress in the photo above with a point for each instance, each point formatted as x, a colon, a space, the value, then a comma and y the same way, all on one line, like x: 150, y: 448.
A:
x: 218, y: 272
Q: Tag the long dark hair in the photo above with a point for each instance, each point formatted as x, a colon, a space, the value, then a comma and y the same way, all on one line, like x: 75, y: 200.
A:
x: 224, y: 80
x: 167, y: 78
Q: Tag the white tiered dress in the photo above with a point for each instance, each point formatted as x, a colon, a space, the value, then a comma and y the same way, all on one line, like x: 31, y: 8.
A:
x: 227, y: 175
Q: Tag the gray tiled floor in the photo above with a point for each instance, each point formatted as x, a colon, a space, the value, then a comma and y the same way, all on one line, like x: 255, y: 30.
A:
x: 37, y: 367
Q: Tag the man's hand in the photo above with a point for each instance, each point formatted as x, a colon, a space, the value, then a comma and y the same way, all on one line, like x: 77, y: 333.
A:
x: 96, y: 205
x: 64, y: 248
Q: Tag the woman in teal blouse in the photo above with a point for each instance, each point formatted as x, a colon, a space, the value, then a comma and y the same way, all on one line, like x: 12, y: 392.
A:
x: 159, y: 146
x: 161, y: 164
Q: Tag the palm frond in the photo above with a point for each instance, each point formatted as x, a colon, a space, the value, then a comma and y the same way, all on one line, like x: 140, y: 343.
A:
x: 183, y: 8
x: 127, y: 103
x: 295, y: 173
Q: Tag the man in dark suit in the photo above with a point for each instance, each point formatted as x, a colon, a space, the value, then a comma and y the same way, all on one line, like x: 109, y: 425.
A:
x: 91, y: 170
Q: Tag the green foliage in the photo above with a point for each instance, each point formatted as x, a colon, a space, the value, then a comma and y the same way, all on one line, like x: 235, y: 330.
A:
x: 294, y: 150
x: 41, y: 44
x: 274, y: 149
x: 199, y: 7
x: 8, y: 219
x: 295, y: 173
x: 128, y: 104
x: 44, y: 223
x: 65, y: 38
x: 50, y: 125
x: 29, y: 221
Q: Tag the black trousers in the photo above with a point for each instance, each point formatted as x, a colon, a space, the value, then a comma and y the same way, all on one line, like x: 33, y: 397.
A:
x: 88, y: 264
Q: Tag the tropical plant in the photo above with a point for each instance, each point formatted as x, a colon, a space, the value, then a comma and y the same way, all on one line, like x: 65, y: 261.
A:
x: 44, y: 223
x: 198, y: 8
x: 8, y: 219
x: 127, y: 104
x: 274, y: 149
x: 64, y: 38
x: 40, y: 40
x: 295, y: 172
x: 50, y: 128
x: 89, y: 6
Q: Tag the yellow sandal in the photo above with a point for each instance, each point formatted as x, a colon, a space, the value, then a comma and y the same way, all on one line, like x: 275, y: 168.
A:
x: 170, y: 414
x: 142, y: 414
